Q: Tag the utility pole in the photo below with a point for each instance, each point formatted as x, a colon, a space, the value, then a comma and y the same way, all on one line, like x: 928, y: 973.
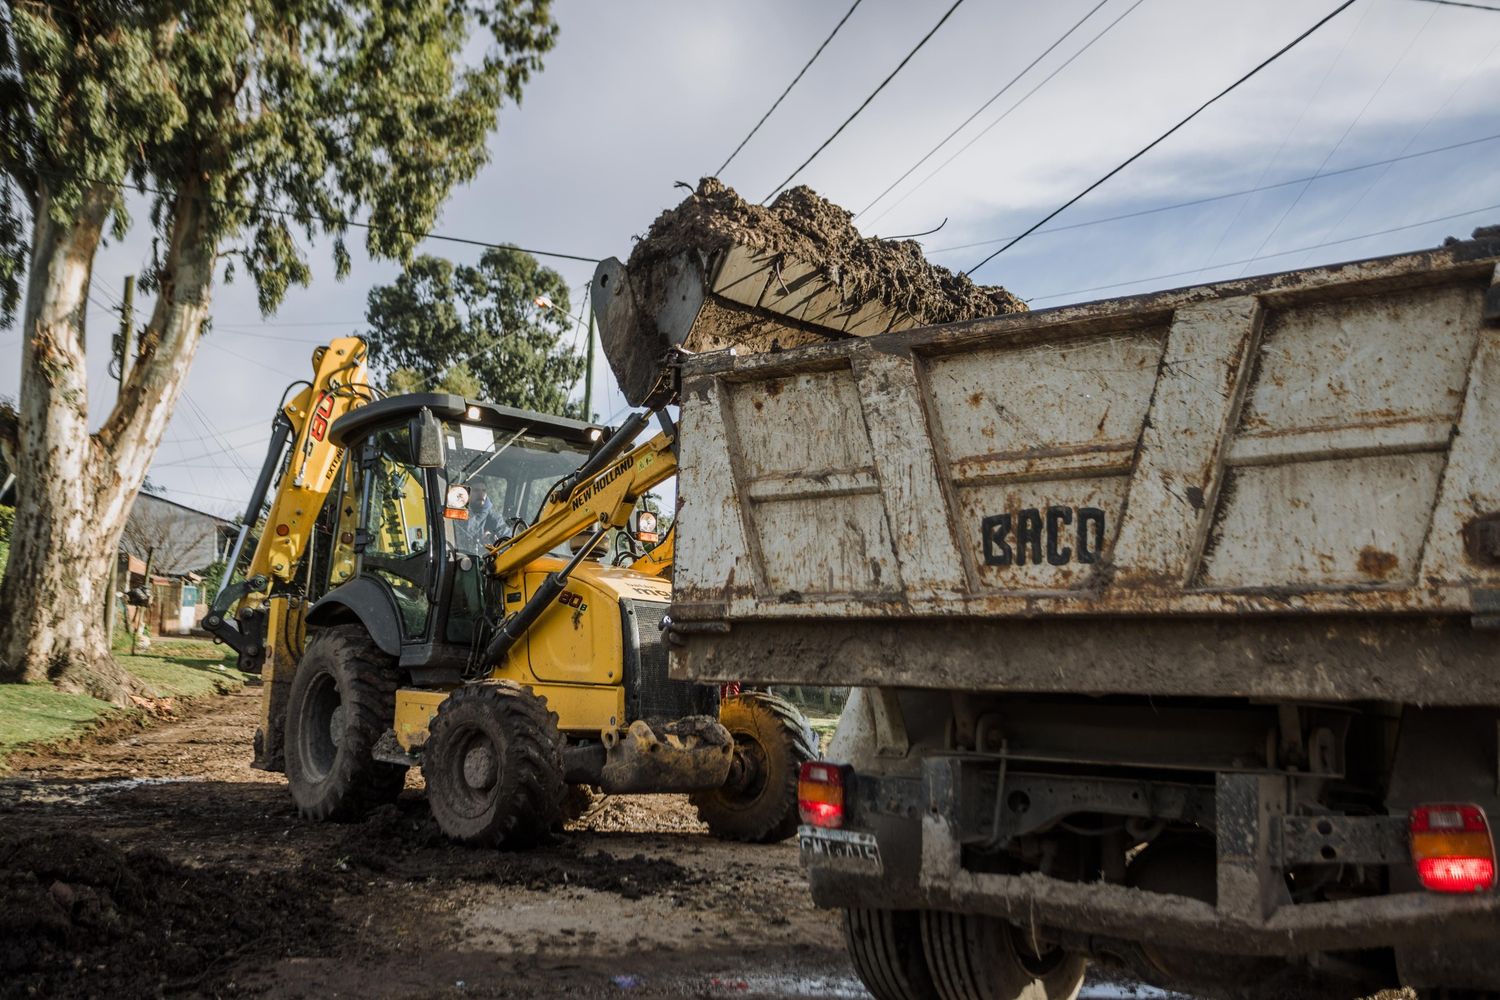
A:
x: 588, y: 374
x: 127, y: 331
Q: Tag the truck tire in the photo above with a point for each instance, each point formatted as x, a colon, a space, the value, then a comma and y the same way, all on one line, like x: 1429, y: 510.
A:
x: 885, y: 947
x: 772, y: 741
x: 975, y: 957
x: 343, y: 698
x: 493, y: 766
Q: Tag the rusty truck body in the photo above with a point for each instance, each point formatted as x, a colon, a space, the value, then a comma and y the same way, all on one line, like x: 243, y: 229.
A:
x: 1171, y: 619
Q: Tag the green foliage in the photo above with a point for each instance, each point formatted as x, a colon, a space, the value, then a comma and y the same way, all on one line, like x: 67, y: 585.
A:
x: 462, y: 327
x: 213, y: 575
x: 268, y: 117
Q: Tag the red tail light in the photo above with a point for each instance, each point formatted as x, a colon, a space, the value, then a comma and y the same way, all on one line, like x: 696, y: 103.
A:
x: 1452, y: 848
x: 820, y: 794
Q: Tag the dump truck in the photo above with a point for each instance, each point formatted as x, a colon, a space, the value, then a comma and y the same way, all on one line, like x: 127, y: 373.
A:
x: 422, y: 581
x: 1172, y: 619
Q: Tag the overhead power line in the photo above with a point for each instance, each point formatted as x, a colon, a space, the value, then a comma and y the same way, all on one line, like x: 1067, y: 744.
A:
x: 1268, y: 256
x: 1165, y: 135
x: 1353, y: 124
x: 1227, y: 195
x: 995, y: 97
x: 788, y: 90
x: 302, y: 215
x: 1011, y: 110
x: 866, y: 102
x: 1471, y: 6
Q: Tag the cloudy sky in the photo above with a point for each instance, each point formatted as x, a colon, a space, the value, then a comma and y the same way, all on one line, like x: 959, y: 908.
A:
x: 638, y: 96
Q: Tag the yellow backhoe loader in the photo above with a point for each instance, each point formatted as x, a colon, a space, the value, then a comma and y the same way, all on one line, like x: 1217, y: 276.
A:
x: 429, y: 588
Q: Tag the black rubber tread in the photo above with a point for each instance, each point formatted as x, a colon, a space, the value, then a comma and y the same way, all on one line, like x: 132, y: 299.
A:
x: 527, y: 800
x: 366, y: 680
x: 973, y: 957
x: 788, y: 742
x: 885, y: 947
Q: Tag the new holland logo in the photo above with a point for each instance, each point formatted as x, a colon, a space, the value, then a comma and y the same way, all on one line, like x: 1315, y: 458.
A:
x: 600, y: 482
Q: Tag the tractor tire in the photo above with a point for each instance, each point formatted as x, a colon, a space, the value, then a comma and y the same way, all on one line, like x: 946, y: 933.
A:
x: 885, y: 947
x: 772, y: 741
x: 975, y: 957
x: 343, y: 698
x: 493, y: 766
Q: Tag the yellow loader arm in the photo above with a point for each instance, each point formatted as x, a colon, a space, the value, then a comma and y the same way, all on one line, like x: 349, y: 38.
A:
x: 599, y: 496
x: 659, y: 560
x: 603, y: 500
x: 340, y: 383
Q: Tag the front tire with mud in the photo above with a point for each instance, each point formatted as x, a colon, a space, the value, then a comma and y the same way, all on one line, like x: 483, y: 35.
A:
x: 772, y: 741
x: 493, y: 766
x: 341, y: 701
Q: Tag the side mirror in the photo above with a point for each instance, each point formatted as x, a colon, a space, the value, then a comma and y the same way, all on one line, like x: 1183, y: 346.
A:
x: 427, y: 441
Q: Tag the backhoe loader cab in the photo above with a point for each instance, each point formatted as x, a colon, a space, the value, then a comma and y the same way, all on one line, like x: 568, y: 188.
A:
x: 452, y: 606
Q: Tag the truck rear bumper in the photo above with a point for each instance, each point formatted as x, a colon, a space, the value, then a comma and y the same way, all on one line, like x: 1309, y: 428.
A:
x: 1114, y: 911
x: 909, y: 854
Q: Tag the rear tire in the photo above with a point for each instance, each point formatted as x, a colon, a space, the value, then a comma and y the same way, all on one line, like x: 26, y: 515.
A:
x: 493, y: 766
x: 771, y: 743
x: 886, y: 949
x: 975, y: 957
x: 343, y: 698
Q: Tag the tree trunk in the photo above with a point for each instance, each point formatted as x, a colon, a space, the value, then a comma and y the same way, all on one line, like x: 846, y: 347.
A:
x: 75, y: 490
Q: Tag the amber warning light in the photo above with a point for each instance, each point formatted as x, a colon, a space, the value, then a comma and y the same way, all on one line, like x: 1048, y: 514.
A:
x: 820, y: 794
x: 1452, y: 848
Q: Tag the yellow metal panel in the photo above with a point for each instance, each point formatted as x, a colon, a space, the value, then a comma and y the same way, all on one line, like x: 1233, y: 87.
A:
x: 577, y: 639
x: 584, y: 709
x: 415, y: 708
x: 580, y: 709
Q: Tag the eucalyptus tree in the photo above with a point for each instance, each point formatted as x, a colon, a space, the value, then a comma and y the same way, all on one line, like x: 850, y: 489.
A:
x: 250, y: 129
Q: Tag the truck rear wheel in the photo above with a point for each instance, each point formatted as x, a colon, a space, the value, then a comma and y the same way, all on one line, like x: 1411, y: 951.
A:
x: 974, y: 957
x: 342, y: 699
x: 493, y: 766
x: 886, y: 949
x: 758, y: 804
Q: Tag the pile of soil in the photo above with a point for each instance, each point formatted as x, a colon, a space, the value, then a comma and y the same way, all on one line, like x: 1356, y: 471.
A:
x: 815, y: 231
x: 78, y: 915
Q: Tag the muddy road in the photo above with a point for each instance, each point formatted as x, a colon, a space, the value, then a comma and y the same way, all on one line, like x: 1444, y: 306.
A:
x: 152, y: 861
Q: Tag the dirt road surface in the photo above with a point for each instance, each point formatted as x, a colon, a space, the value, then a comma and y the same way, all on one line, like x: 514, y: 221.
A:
x: 150, y: 862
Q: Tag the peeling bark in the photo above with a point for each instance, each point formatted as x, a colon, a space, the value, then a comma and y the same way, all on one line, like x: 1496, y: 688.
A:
x: 75, y: 489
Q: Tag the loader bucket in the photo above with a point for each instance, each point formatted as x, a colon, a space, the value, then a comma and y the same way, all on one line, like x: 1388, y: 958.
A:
x: 642, y: 320
x: 750, y: 300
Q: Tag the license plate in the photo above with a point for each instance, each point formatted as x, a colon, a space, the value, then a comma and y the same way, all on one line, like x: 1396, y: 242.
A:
x: 844, y: 849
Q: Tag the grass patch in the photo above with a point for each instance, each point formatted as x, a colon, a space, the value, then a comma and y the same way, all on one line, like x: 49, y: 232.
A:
x: 171, y: 668
x: 184, y: 668
x: 39, y: 713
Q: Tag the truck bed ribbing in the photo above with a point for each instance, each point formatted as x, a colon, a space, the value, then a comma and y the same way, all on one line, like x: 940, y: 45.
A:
x: 1316, y: 442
